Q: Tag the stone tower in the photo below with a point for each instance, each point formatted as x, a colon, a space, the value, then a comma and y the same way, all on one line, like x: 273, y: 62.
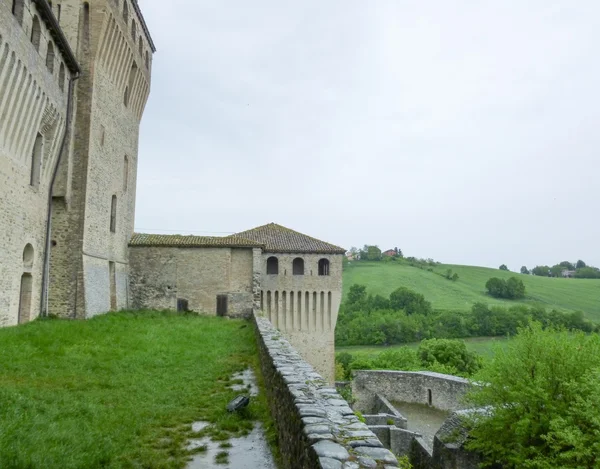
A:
x: 93, y: 200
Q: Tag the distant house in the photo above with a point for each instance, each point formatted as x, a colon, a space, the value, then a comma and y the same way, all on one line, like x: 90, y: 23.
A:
x: 568, y: 273
x: 390, y: 253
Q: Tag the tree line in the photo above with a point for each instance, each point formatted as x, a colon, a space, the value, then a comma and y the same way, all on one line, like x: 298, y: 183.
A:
x: 406, y: 316
x: 578, y: 269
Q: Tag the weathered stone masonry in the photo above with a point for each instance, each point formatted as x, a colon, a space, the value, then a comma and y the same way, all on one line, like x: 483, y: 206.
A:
x: 316, y: 427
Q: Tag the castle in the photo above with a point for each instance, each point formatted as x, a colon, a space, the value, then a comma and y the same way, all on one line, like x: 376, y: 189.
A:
x: 74, y: 80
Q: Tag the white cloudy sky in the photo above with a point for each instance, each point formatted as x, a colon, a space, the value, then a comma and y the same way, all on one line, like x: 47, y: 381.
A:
x: 466, y: 131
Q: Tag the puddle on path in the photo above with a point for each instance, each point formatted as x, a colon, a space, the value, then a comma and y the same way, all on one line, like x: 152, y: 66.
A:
x: 247, y: 452
x: 422, y: 419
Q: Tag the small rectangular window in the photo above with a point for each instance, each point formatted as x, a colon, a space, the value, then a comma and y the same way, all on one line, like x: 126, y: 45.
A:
x: 182, y: 305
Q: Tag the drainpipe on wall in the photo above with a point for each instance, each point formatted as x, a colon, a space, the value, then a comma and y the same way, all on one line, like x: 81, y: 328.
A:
x: 63, y: 149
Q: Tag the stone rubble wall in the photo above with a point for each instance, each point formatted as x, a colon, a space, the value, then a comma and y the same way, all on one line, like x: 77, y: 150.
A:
x: 446, y: 391
x: 316, y: 426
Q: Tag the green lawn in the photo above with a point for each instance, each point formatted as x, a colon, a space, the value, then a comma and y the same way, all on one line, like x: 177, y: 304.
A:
x: 557, y: 293
x: 119, y: 390
x: 482, y: 345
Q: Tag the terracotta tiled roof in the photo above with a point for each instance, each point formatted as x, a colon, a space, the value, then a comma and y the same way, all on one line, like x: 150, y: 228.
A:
x: 277, y: 238
x: 190, y: 241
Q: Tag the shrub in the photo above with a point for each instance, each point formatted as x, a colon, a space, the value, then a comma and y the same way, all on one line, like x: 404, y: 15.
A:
x: 452, y: 353
x: 513, y: 288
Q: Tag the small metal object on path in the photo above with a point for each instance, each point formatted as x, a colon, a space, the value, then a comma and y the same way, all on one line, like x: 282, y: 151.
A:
x: 238, y: 403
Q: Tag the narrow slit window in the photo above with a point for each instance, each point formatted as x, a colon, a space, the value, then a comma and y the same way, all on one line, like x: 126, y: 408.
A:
x: 50, y: 58
x: 125, y: 173
x: 36, y: 161
x: 113, y: 214
x: 18, y: 7
x: 36, y: 33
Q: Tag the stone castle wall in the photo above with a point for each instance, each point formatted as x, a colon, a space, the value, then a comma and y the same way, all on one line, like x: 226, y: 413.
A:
x: 316, y: 427
x: 90, y: 264
x: 161, y: 275
x: 34, y: 83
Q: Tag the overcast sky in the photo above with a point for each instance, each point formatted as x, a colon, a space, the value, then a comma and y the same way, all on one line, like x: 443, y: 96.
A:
x: 463, y: 131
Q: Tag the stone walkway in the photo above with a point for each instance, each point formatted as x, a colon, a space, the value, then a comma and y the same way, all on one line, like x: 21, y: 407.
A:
x: 248, y: 452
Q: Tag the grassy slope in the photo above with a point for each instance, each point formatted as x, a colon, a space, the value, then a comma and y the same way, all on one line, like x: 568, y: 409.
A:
x: 119, y: 390
x: 558, y: 293
x: 482, y: 345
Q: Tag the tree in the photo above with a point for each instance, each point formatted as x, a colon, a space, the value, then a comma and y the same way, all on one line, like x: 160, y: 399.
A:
x: 511, y: 289
x: 543, y: 387
x: 409, y: 301
x: 503, y: 267
x: 356, y: 294
x: 556, y: 270
x: 449, y: 352
x: 567, y: 265
x: 370, y: 253
x: 580, y: 264
x: 525, y: 270
x: 496, y: 287
x: 541, y: 271
x: 515, y: 288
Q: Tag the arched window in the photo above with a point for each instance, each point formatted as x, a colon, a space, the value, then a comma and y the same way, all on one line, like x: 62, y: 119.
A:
x: 28, y: 256
x: 113, y: 214
x: 50, y: 57
x: 141, y: 47
x: 36, y: 33
x: 61, y: 77
x: 272, y: 266
x: 298, y: 266
x: 125, y: 12
x: 133, y: 30
x: 18, y: 7
x: 126, y: 96
x: 147, y: 61
x: 323, y: 267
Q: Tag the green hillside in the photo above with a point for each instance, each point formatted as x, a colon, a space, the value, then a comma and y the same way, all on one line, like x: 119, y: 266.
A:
x: 553, y: 293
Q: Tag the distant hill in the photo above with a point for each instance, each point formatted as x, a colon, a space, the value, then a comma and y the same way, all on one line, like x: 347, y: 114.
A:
x: 553, y: 293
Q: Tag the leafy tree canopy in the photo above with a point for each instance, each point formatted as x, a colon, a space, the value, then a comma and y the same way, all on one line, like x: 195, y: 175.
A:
x: 544, y: 387
x: 503, y: 267
x: 449, y: 352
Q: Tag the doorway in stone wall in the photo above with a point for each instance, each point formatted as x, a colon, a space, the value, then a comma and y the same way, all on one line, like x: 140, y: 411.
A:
x: 221, y: 305
x: 25, y: 298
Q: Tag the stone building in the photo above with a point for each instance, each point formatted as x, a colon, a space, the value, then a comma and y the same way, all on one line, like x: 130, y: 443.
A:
x: 74, y: 79
x: 296, y: 280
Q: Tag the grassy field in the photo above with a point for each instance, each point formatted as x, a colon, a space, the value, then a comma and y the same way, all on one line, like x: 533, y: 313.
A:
x: 119, y: 390
x: 482, y: 345
x: 552, y: 293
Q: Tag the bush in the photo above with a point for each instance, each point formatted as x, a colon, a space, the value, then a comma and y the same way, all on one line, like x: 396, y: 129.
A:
x: 511, y: 289
x: 452, y: 353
